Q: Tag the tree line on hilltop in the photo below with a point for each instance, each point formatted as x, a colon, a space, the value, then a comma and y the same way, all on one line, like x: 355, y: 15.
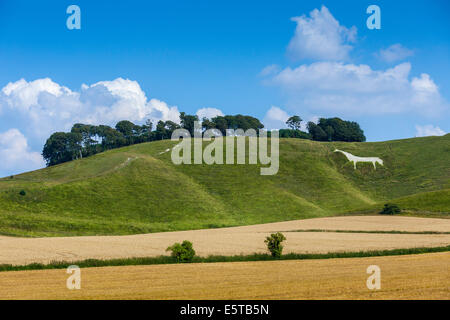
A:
x: 85, y: 140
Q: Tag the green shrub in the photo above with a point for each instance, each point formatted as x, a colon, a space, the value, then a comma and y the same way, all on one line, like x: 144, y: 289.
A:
x: 22, y: 192
x: 390, y: 208
x: 274, y: 244
x: 183, y: 252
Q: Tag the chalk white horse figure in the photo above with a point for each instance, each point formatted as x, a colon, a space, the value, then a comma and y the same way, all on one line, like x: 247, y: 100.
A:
x: 356, y: 159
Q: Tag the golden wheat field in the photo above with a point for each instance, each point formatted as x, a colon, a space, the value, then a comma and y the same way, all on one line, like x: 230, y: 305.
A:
x: 236, y: 240
x: 423, y: 276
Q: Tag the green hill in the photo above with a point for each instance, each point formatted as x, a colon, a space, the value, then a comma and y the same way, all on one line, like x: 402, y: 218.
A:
x: 137, y: 189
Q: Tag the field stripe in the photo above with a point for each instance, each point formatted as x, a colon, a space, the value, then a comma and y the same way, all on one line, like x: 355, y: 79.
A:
x: 234, y: 241
x: 423, y: 276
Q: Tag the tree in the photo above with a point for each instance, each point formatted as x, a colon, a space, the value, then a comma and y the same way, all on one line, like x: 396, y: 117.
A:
x: 62, y: 147
x: 220, y: 123
x: 316, y: 132
x: 335, y: 129
x: 233, y: 122
x: 274, y: 244
x: 164, y: 129
x: 207, y: 124
x: 294, y: 122
x: 171, y: 127
x: 390, y: 208
x: 291, y: 133
x: 183, y: 252
x: 148, y: 125
x: 187, y: 122
x: 86, y: 140
x: 73, y: 145
x: 330, y: 132
x: 88, y: 134
x: 341, y: 130
x: 127, y: 128
x: 110, y: 137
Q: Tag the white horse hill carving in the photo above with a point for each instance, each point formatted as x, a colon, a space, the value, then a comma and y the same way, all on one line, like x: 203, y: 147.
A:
x: 356, y: 159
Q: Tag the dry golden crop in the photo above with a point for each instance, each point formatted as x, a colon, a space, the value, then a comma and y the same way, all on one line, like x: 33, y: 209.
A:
x: 423, y: 276
x: 237, y: 240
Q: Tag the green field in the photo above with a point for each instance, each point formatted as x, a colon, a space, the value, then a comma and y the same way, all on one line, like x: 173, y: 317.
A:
x: 137, y: 190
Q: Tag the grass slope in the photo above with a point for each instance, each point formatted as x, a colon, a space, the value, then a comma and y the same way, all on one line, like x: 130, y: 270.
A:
x: 138, y: 190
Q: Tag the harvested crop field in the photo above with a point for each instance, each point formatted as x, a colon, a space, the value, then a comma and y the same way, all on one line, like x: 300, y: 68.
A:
x: 237, y: 240
x: 423, y: 276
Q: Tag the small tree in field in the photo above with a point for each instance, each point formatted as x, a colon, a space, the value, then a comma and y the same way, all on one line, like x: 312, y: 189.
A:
x: 183, y: 252
x: 274, y: 244
x: 390, y: 208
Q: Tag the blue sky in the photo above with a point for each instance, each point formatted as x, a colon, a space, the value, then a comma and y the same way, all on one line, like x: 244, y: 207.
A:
x: 151, y: 59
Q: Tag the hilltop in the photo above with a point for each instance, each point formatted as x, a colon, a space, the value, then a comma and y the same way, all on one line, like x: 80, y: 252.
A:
x: 137, y: 189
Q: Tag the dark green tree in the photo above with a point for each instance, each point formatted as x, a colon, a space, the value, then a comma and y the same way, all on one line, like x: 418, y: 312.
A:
x: 390, y: 208
x: 110, y: 138
x: 183, y: 252
x: 316, y: 132
x: 235, y: 122
x: 207, y: 124
x: 62, y: 147
x: 341, y: 130
x: 291, y: 133
x: 274, y: 244
x: 128, y: 129
x: 187, y: 122
x: 294, y: 122
x: 330, y: 132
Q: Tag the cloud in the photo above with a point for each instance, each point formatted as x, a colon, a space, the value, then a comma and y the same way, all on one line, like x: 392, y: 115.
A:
x: 424, y: 89
x: 275, y: 118
x: 428, y: 130
x: 321, y: 37
x: 349, y: 89
x: 45, y: 106
x: 395, y: 52
x: 208, y: 113
x: 269, y: 70
x: 16, y: 155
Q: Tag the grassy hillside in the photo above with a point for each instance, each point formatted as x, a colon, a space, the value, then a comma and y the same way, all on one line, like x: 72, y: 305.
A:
x: 136, y: 189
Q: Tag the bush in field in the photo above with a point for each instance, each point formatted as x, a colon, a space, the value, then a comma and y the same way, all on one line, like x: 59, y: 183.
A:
x: 183, y: 252
x: 22, y: 192
x: 390, y: 208
x: 274, y: 244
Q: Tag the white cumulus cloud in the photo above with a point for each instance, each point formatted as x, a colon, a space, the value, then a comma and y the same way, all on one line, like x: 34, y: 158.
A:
x: 428, y: 130
x: 208, y: 113
x: 321, y: 37
x: 16, y: 155
x: 275, y: 118
x: 349, y: 89
x: 44, y: 106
